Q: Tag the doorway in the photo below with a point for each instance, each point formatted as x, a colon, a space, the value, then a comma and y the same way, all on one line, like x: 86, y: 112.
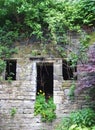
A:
x: 45, y: 78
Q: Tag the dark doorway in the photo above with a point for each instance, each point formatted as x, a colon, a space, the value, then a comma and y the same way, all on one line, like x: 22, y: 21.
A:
x: 68, y: 71
x: 45, y: 78
x: 10, y: 70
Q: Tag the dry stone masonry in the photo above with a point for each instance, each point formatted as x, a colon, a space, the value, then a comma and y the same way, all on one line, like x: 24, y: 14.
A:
x: 20, y: 94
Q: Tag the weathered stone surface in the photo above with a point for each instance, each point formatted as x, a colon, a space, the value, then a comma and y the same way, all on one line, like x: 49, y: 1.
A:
x: 21, y: 95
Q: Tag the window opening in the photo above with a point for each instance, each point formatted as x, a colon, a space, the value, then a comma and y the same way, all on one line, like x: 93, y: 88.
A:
x: 45, y: 78
x: 10, y: 70
x: 68, y: 71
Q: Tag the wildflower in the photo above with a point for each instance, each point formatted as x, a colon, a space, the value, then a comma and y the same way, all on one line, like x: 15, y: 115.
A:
x: 40, y: 91
x: 48, y: 96
x: 43, y: 94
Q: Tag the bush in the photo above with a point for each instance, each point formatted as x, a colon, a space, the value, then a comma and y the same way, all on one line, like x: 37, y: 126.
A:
x: 81, y: 120
x: 84, y: 117
x: 45, y: 108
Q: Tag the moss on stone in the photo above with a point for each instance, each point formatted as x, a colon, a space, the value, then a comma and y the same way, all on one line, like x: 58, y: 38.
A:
x: 67, y: 84
x: 92, y: 38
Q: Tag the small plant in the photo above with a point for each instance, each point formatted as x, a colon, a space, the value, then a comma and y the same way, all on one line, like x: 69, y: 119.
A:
x: 34, y: 53
x: 45, y: 107
x: 9, y: 79
x: 84, y: 117
x: 80, y: 120
x: 72, y: 91
x: 13, y: 111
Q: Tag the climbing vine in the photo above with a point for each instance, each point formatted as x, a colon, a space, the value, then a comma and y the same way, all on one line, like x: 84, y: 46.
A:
x: 52, y: 16
x: 49, y: 21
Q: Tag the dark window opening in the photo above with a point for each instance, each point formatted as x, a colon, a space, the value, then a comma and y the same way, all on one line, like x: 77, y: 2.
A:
x: 10, y: 70
x: 45, y: 78
x: 68, y: 71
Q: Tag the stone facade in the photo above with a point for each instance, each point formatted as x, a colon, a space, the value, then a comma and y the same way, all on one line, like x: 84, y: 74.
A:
x: 21, y: 95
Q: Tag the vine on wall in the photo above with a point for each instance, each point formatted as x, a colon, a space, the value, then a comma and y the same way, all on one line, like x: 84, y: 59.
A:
x: 50, y: 21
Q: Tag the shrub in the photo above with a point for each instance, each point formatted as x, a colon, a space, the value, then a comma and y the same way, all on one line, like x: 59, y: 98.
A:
x: 45, y: 108
x: 83, y: 117
x: 81, y: 120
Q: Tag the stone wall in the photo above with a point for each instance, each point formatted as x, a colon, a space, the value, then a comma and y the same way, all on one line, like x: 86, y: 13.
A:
x: 21, y: 95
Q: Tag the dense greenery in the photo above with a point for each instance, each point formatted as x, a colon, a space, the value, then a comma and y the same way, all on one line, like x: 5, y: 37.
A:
x: 45, y: 107
x: 81, y: 120
x: 53, y: 15
x: 49, y: 21
x: 7, y: 39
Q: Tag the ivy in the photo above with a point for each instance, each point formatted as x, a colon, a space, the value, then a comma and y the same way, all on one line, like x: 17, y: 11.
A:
x: 49, y: 20
x: 56, y: 16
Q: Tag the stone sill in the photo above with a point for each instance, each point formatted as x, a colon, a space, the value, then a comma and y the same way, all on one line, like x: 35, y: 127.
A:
x: 44, y: 58
x: 68, y: 83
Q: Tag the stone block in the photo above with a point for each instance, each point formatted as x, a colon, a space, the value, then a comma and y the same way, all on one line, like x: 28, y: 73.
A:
x: 58, y: 99
x: 58, y: 69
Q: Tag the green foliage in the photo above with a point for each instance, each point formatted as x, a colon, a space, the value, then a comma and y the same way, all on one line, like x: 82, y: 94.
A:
x: 61, y: 51
x: 49, y: 20
x: 13, y: 112
x: 34, y: 53
x: 72, y: 91
x: 45, y: 108
x: 55, y: 16
x: 7, y: 38
x: 2, y: 65
x: 76, y: 127
x: 80, y: 53
x: 84, y: 117
x: 5, y: 52
x: 93, y: 128
x: 74, y: 58
x: 92, y: 38
x: 64, y: 124
x: 84, y: 44
x: 9, y: 79
x: 81, y: 120
x: 86, y: 10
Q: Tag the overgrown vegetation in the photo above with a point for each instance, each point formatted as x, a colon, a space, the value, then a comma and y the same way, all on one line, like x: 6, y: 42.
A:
x: 7, y: 39
x: 50, y: 21
x: 49, y: 18
x: 45, y: 107
x: 81, y: 120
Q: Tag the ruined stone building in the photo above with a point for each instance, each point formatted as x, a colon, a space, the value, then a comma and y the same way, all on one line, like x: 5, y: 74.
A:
x: 29, y: 74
